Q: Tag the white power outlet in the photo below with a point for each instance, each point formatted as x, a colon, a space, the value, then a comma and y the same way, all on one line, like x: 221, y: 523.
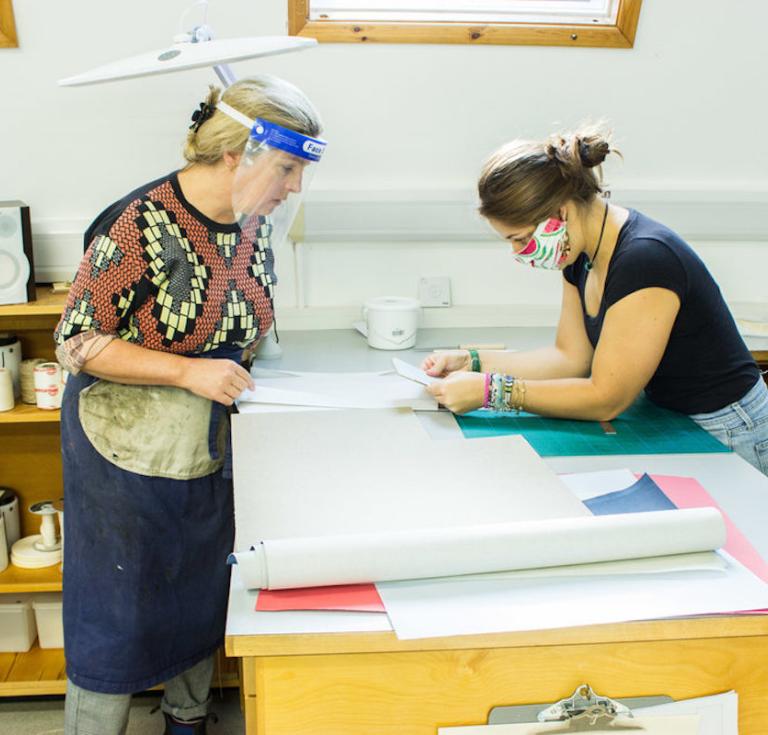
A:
x: 435, y: 291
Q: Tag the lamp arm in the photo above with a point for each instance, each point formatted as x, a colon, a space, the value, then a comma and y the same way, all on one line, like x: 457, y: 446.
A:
x: 225, y: 74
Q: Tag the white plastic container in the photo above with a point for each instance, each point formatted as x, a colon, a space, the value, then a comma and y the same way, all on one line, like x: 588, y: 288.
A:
x: 17, y: 623
x: 50, y: 621
x: 392, y: 322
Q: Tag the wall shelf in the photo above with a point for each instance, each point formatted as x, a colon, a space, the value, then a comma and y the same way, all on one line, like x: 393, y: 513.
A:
x: 42, y: 671
x: 14, y: 580
x: 24, y: 413
x: 38, y: 671
x: 46, y: 303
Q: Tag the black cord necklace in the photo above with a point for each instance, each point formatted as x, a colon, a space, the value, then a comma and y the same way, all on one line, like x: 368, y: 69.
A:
x: 589, y: 262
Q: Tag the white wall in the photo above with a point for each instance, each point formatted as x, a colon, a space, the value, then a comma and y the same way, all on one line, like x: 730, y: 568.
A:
x: 407, y: 123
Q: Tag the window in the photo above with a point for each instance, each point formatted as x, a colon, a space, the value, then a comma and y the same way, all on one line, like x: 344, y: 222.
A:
x: 7, y: 25
x: 525, y: 22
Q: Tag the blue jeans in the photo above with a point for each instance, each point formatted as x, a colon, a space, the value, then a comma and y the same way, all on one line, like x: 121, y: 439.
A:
x: 742, y: 426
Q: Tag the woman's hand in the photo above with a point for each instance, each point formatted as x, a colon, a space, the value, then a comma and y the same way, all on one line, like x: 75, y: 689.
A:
x: 440, y: 364
x: 218, y: 380
x: 460, y: 392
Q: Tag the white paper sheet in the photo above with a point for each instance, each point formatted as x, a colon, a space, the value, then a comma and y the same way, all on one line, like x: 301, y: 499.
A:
x: 464, y: 606
x: 586, y: 485
x: 719, y: 713
x: 461, y: 550
x: 338, y: 390
x: 339, y: 472
x: 279, y: 408
x: 411, y: 372
x: 660, y: 725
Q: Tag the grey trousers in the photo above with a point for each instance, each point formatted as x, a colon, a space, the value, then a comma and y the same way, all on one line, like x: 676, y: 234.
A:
x: 186, y: 697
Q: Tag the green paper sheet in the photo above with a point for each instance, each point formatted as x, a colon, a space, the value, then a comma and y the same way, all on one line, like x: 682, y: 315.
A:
x: 644, y: 428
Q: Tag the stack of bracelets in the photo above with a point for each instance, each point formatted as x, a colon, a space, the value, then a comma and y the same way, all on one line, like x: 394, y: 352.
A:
x: 502, y: 392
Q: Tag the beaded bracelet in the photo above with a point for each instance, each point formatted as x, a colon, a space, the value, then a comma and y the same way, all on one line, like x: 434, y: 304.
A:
x: 509, y: 386
x: 492, y: 391
x: 497, y: 391
x: 517, y: 402
x: 504, y: 393
x: 475, y: 361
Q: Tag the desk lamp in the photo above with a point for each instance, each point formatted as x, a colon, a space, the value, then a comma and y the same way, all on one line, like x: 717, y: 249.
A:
x: 191, y: 50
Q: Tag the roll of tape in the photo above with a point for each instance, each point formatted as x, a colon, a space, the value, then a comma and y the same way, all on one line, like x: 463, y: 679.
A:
x: 48, y: 386
x: 28, y: 379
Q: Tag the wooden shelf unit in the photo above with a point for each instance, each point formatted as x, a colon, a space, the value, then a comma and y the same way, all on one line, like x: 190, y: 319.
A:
x: 30, y: 464
x: 30, y: 453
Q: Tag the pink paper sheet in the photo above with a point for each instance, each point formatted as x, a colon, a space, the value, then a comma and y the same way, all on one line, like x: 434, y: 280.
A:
x: 354, y: 597
x: 686, y: 492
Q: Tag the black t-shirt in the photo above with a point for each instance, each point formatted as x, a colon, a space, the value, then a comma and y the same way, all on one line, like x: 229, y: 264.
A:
x: 706, y: 364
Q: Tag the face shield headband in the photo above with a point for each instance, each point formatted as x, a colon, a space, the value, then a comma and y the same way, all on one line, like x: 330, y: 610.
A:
x: 276, y: 136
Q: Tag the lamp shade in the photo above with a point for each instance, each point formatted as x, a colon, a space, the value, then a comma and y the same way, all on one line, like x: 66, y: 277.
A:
x: 188, y: 55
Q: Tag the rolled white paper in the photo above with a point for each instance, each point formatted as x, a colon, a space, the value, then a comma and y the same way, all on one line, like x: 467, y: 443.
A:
x: 421, y: 554
x: 7, y: 400
x: 48, y: 386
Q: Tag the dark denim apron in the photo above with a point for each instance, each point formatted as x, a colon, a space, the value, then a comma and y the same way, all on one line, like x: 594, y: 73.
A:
x: 145, y: 572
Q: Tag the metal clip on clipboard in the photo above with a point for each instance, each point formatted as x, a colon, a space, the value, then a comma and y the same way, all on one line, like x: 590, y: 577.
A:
x: 584, y: 710
x: 581, y: 712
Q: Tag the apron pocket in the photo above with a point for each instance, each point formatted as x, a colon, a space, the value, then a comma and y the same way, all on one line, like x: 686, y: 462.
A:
x: 159, y: 431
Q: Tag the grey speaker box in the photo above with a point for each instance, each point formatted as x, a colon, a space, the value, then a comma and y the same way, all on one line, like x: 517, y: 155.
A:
x: 17, y: 268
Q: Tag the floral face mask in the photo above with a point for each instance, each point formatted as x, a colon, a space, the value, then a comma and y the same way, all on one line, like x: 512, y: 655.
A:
x: 548, y: 247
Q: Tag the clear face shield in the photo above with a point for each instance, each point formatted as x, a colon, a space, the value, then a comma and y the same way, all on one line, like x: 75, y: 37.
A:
x: 275, y: 170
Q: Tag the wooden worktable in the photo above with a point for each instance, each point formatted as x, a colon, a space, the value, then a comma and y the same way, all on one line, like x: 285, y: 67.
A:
x: 348, y: 674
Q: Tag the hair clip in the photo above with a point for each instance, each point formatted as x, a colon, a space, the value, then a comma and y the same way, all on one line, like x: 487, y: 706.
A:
x: 200, y: 115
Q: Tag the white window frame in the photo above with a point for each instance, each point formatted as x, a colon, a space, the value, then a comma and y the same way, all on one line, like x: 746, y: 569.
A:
x: 466, y: 11
x: 610, y: 23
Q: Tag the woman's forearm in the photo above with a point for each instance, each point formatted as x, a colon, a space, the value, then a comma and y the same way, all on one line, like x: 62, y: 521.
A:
x: 124, y: 362
x: 574, y: 398
x: 546, y: 363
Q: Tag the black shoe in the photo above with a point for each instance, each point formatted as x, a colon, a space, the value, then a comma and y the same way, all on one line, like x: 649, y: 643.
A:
x: 175, y: 727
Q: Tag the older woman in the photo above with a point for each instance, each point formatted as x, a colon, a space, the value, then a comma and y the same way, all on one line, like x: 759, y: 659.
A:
x: 176, y: 283
x: 640, y: 311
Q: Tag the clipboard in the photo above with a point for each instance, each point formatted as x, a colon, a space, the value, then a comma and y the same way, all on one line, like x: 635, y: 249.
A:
x: 583, y: 711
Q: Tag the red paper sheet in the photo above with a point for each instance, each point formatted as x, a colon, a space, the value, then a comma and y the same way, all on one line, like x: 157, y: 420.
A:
x: 354, y: 597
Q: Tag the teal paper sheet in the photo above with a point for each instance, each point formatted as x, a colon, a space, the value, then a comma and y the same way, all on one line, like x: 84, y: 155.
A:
x: 644, y: 428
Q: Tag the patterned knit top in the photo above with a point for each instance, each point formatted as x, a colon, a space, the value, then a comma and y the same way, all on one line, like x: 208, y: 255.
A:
x: 159, y: 273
